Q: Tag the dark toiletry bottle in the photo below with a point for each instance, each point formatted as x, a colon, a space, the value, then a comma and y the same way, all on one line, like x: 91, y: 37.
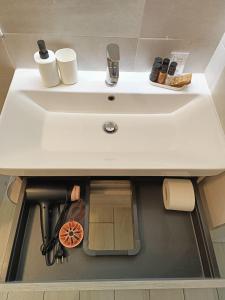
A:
x: 162, y: 74
x: 166, y: 62
x: 171, y: 72
x: 155, y: 71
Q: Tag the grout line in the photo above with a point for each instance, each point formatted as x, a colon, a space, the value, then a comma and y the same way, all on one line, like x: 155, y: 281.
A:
x: 218, y: 295
x: 133, y: 37
x: 149, y: 294
x: 184, y: 297
x: 166, y: 38
x: 142, y: 18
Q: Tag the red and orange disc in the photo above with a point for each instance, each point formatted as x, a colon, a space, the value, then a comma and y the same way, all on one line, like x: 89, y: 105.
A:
x: 71, y: 234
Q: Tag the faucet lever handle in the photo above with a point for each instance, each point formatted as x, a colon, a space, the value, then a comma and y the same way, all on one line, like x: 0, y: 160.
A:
x: 113, y: 52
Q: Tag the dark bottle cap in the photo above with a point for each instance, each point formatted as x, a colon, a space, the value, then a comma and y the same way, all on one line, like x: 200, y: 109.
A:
x: 158, y: 60
x: 166, y: 61
x: 157, y: 66
x: 172, y: 68
x: 173, y: 64
x: 164, y: 68
x: 42, y: 49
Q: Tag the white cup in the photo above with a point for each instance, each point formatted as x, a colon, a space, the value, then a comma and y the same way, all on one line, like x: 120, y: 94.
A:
x: 67, y: 63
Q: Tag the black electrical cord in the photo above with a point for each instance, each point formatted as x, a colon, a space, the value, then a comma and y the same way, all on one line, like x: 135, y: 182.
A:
x: 53, y: 250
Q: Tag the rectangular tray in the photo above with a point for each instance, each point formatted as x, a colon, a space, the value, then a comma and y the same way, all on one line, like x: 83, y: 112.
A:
x: 136, y: 239
x: 174, y: 245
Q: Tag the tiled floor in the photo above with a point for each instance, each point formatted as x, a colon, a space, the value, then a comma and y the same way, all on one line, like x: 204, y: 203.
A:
x: 6, y: 215
x: 189, y: 294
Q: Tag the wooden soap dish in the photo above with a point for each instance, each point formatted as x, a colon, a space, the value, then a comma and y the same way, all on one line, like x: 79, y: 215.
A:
x: 168, y: 87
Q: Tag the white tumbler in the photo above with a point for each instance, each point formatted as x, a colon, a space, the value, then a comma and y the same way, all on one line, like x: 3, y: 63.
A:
x: 67, y: 64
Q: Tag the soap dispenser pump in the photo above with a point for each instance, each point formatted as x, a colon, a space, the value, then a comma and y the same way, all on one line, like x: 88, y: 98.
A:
x: 47, y: 65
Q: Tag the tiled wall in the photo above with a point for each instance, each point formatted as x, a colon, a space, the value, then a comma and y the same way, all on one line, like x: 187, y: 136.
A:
x: 142, y: 28
x: 215, y: 75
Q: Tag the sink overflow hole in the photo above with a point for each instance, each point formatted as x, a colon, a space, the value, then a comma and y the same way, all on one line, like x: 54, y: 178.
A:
x: 110, y: 127
x: 111, y: 98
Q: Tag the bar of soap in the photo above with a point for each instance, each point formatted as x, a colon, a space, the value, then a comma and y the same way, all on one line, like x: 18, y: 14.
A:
x: 180, y: 80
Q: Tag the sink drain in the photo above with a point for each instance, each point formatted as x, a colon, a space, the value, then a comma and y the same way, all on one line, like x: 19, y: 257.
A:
x: 110, y: 127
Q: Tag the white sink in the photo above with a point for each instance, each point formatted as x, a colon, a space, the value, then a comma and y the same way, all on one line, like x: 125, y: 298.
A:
x: 59, y: 131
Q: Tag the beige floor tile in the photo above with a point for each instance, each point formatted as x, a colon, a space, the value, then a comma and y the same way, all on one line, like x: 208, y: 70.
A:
x: 25, y: 296
x: 3, y: 295
x: 96, y: 295
x: 201, y: 294
x: 167, y: 295
x: 132, y: 295
x: 62, y: 295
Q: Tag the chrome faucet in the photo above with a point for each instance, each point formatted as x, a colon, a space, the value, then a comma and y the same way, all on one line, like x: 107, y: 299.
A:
x: 113, y: 58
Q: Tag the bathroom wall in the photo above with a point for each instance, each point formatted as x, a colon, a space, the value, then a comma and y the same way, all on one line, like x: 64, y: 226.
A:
x: 215, y: 75
x: 142, y: 28
x: 213, y: 188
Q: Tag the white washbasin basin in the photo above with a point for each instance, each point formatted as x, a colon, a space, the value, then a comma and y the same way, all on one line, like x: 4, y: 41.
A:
x: 59, y: 131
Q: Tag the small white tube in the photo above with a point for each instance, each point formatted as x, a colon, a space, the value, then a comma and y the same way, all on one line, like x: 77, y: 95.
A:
x: 67, y: 63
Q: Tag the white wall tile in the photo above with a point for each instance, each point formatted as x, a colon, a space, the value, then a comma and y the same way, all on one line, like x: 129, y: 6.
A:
x: 215, y: 75
x: 91, y: 51
x: 86, y: 17
x: 218, y: 94
x: 184, y: 19
x: 88, y: 25
x: 216, y: 66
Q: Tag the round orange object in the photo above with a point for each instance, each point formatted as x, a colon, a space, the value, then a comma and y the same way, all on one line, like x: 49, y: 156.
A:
x: 71, y: 234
